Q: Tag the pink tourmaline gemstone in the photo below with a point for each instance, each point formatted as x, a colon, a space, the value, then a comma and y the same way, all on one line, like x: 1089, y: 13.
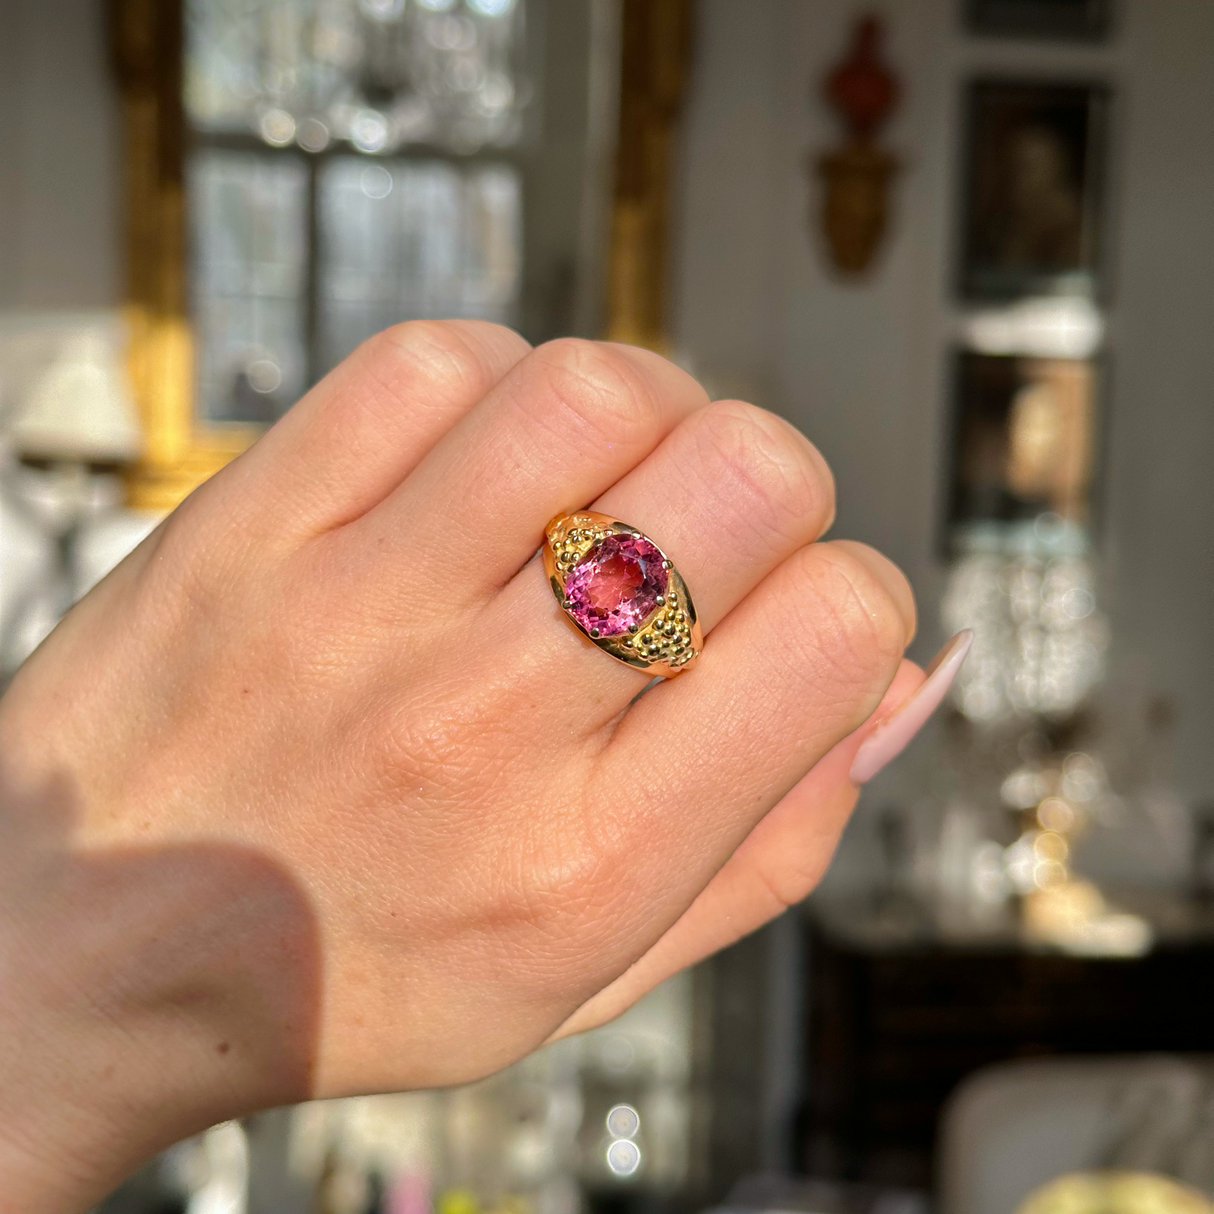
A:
x: 616, y: 584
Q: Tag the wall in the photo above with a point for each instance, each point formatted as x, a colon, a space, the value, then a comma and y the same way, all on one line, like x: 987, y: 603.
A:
x: 860, y: 367
x: 59, y: 158
x: 1160, y: 493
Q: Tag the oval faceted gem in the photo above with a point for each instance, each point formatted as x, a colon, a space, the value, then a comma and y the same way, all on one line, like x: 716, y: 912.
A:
x: 616, y: 584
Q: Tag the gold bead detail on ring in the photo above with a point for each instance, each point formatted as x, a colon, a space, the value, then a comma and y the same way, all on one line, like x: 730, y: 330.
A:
x: 621, y: 592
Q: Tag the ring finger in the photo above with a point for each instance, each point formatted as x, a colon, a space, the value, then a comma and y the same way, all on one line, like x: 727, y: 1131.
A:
x: 728, y: 495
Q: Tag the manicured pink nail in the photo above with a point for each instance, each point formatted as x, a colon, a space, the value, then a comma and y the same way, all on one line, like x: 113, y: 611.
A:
x: 894, y: 733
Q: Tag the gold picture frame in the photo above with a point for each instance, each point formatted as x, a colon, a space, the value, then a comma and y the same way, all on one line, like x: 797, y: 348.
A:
x: 655, y: 53
x: 179, y: 452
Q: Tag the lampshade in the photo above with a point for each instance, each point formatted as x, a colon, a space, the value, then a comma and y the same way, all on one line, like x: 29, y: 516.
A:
x: 79, y: 408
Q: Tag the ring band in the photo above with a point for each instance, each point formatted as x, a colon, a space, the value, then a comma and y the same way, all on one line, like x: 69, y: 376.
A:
x: 621, y: 591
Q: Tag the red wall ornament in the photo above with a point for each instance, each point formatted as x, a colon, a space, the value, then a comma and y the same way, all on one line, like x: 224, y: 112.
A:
x: 856, y: 176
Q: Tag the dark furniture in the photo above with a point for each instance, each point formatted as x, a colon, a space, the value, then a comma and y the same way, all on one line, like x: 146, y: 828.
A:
x: 894, y: 1026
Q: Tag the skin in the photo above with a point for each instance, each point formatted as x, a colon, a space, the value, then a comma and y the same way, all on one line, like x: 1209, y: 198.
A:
x: 317, y: 793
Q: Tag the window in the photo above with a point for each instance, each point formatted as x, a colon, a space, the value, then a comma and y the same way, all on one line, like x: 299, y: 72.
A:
x: 300, y: 173
x: 349, y: 164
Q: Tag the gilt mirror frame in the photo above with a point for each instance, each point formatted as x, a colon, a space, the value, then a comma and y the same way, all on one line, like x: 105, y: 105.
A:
x: 179, y: 454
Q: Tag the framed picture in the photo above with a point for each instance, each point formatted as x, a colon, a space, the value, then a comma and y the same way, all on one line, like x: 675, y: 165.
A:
x: 1079, y: 19
x: 1031, y: 195
x: 1023, y: 438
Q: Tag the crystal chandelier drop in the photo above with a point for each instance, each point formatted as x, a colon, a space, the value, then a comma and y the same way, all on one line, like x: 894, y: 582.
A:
x: 1028, y: 591
x: 375, y: 74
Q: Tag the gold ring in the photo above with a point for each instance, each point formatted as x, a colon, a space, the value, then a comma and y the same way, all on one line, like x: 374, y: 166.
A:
x: 621, y: 591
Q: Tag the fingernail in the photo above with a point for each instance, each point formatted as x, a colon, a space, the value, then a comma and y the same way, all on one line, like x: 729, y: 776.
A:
x: 893, y: 735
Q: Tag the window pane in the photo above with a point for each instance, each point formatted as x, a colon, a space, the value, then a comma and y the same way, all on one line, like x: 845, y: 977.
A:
x: 407, y: 239
x: 377, y: 73
x: 249, y: 244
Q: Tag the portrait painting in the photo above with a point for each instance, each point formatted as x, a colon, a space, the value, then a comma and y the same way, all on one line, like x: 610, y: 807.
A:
x: 1031, y: 192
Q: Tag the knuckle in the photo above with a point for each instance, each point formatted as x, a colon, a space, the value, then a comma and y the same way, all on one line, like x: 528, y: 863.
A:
x: 606, y: 392
x: 792, y: 879
x: 566, y: 888
x: 771, y: 461
x: 425, y: 349
x: 786, y: 885
x: 851, y: 646
x: 197, y: 553
x: 866, y: 610
x: 569, y: 882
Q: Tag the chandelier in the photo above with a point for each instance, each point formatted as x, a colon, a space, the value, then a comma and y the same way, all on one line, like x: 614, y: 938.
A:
x: 374, y: 74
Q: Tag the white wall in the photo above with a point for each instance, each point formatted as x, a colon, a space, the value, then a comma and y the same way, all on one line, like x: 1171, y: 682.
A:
x: 1160, y: 492
x: 59, y: 157
x: 861, y: 367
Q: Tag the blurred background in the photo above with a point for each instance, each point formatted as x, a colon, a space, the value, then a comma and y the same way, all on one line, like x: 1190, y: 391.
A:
x: 968, y: 247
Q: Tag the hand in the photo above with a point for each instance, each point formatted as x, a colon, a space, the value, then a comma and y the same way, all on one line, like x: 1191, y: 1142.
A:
x: 317, y: 793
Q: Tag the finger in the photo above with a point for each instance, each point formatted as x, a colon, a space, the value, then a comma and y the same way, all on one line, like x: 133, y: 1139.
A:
x: 360, y: 431
x: 729, y: 495
x: 694, y: 764
x: 732, y: 493
x: 563, y: 425
x: 776, y: 866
